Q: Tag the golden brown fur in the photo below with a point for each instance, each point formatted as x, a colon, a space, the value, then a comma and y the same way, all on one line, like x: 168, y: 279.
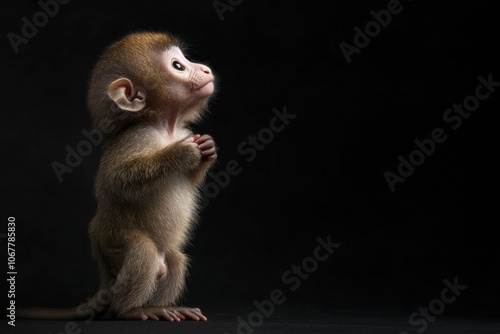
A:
x: 150, y: 171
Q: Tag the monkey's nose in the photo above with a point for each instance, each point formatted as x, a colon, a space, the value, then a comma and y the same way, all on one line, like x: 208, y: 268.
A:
x: 206, y: 70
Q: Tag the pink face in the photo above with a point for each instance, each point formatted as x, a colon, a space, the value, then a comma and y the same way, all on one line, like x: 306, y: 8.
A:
x: 189, y: 82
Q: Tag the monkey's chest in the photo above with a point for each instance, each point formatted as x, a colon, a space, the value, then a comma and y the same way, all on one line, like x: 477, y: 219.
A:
x: 176, y: 203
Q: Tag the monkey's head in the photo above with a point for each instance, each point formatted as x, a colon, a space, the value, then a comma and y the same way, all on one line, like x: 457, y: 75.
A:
x: 145, y: 76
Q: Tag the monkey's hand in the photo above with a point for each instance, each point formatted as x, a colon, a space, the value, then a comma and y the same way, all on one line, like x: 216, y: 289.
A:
x: 207, y: 147
x: 188, y: 153
x: 208, y: 153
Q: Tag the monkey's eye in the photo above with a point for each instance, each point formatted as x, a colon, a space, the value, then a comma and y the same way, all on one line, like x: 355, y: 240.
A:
x: 178, y: 66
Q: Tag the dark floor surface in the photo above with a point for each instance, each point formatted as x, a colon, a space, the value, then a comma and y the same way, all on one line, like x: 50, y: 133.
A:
x: 291, y: 322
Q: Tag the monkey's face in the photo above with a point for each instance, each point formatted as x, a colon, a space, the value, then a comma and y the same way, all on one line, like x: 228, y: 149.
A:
x: 187, y: 83
x: 165, y: 83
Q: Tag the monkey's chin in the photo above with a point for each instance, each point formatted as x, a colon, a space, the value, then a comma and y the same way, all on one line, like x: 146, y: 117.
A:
x: 206, y: 90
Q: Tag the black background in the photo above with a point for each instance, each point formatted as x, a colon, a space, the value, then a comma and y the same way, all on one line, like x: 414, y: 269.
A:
x: 322, y: 175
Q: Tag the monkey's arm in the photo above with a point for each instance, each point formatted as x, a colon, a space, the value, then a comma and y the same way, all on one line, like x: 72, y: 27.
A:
x: 142, y: 168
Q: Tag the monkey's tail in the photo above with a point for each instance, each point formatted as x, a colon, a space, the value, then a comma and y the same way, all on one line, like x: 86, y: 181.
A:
x: 81, y: 312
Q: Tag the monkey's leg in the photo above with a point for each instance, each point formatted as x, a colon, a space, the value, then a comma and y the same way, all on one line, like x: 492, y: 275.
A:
x: 106, y: 275
x: 136, y: 279
x: 170, y: 287
x: 105, y: 272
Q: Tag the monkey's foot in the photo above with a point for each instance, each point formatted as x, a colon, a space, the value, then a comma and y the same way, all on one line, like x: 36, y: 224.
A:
x: 165, y: 313
x: 189, y: 313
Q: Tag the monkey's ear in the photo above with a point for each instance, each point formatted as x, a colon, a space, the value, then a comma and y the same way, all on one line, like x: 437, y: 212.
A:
x: 127, y: 96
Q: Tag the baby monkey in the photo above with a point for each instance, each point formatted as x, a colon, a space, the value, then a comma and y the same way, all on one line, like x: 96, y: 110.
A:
x: 143, y: 94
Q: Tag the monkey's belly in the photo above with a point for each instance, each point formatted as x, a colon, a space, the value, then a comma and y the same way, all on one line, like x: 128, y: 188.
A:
x: 175, y: 213
x: 165, y: 214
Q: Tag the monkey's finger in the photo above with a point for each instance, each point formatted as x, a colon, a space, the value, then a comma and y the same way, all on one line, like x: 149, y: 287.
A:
x: 209, y: 158
x: 209, y: 143
x: 196, y: 137
x: 203, y: 139
x: 210, y: 151
x: 152, y: 316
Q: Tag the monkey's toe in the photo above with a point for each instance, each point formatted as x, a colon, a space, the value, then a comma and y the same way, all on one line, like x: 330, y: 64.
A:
x: 191, y: 313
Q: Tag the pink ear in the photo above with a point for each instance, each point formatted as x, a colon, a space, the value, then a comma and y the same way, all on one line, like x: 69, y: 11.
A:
x: 127, y: 96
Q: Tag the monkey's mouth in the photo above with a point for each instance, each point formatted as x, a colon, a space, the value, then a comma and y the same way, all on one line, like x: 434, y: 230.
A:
x: 203, y: 84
